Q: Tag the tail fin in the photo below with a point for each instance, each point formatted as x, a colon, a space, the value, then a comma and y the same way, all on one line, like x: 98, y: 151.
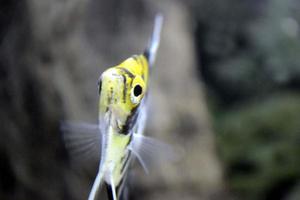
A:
x: 150, y: 52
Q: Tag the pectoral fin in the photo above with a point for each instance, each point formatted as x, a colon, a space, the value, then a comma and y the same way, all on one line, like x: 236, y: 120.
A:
x: 83, y: 140
x: 150, y: 151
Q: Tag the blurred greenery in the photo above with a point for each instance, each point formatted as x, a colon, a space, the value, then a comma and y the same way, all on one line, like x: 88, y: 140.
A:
x: 248, y: 48
x: 249, y: 60
x: 260, y: 146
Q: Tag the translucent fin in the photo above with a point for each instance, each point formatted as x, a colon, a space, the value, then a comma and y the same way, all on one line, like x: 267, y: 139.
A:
x: 83, y: 140
x: 151, y: 50
x: 141, y: 160
x: 96, y: 186
x: 151, y: 152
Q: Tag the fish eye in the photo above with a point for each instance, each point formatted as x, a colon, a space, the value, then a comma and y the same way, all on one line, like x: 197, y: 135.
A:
x: 137, y: 90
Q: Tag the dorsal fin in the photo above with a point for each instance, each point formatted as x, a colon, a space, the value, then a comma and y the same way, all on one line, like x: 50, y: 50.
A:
x: 150, y: 51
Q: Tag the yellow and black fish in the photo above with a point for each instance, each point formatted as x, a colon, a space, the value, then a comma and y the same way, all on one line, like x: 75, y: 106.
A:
x: 123, y: 91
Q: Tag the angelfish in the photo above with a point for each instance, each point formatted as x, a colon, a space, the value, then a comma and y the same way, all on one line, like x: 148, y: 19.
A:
x: 123, y: 91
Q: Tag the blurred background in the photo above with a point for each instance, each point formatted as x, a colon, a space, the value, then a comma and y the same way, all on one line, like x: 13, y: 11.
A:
x: 225, y: 89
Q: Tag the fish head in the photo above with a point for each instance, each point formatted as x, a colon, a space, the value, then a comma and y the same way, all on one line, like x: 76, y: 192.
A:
x: 122, y: 89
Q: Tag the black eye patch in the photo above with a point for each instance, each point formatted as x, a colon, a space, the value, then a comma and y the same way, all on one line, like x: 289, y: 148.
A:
x: 99, y: 85
x: 137, y: 90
